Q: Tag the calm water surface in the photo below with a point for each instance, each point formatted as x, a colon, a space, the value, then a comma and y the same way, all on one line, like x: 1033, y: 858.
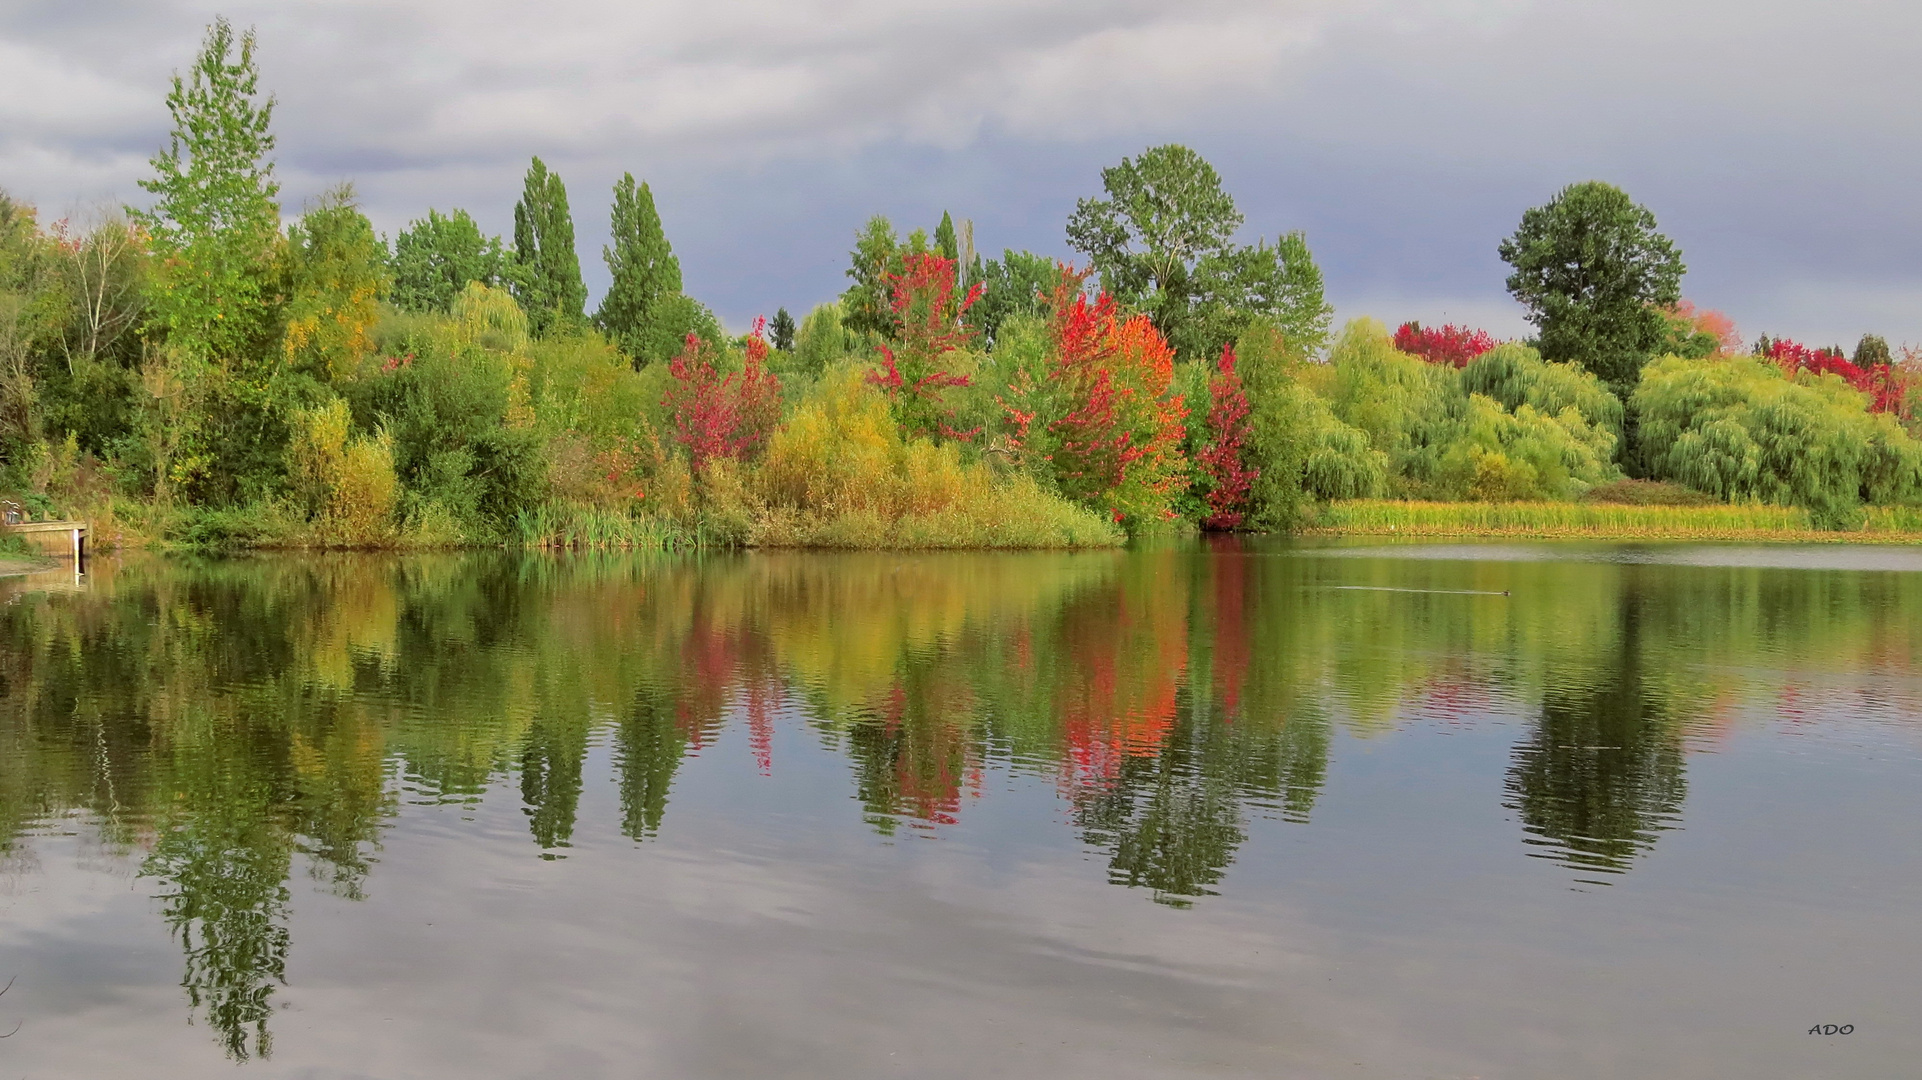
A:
x: 1260, y: 810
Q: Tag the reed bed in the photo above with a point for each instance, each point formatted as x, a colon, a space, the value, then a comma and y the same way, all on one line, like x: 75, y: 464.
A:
x: 553, y: 526
x: 1607, y: 521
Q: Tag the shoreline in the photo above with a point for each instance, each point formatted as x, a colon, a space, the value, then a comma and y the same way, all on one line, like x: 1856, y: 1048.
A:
x: 22, y: 565
x: 1606, y: 521
x: 1758, y: 537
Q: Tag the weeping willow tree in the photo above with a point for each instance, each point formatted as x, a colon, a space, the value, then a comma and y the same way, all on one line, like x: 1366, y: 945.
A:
x: 1516, y: 375
x: 1742, y: 430
x: 1510, y: 426
x: 1495, y: 455
x: 1301, y: 451
x: 1406, y: 406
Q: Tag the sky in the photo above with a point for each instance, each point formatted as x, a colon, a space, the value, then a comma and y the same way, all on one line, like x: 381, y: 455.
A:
x: 1776, y: 141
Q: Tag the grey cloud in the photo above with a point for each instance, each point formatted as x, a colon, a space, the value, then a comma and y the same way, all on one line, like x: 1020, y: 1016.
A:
x: 1774, y: 140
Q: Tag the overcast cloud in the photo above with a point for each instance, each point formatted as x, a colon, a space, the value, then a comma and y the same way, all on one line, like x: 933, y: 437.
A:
x: 1776, y: 141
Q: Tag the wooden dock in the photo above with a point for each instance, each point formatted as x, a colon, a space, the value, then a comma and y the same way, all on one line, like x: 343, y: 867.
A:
x: 59, y: 539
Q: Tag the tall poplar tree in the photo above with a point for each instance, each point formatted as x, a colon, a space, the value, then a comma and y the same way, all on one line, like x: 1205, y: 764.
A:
x: 215, y: 225
x: 217, y: 298
x: 549, y: 281
x: 640, y: 311
x: 946, y: 244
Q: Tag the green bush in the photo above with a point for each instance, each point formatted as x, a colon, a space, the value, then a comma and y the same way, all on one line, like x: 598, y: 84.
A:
x: 1516, y: 375
x: 345, y: 481
x: 458, y: 407
x: 1303, y: 451
x: 1407, y: 407
x: 1741, y: 430
x: 1626, y: 492
x: 840, y: 474
x: 822, y: 340
x: 1501, y: 456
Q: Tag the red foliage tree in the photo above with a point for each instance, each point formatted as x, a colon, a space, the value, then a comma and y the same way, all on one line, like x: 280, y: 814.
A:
x: 1886, y: 386
x: 1448, y: 344
x: 1119, y: 439
x: 928, y: 327
x: 1222, y: 459
x: 717, y: 415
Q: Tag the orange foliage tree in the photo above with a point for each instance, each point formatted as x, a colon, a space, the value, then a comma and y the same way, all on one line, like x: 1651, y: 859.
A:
x: 1115, y: 437
x: 1699, y: 332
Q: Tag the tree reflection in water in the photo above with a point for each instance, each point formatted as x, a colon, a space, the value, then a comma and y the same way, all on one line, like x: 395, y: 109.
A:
x: 226, y: 720
x: 1602, y: 773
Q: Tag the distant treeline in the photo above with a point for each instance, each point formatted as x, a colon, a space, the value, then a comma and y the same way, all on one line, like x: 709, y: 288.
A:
x: 201, y: 371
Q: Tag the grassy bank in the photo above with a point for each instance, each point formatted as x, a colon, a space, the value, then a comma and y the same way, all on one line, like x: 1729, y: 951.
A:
x: 16, y: 557
x: 1606, y: 521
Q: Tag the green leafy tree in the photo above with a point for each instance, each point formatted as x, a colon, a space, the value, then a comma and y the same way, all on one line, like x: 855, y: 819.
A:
x: 218, y: 293
x: 1018, y: 283
x: 866, y: 306
x: 548, y: 281
x: 1872, y: 351
x: 1743, y: 430
x: 640, y: 311
x: 85, y: 375
x: 1278, y: 284
x: 1300, y: 451
x: 337, y: 277
x: 436, y: 256
x: 781, y: 330
x: 821, y: 340
x: 30, y: 318
x: 1162, y: 241
x: 1595, y: 274
x: 215, y: 225
x: 1516, y: 375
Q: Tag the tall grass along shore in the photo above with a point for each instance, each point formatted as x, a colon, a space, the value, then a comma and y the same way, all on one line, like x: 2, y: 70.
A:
x: 1603, y: 521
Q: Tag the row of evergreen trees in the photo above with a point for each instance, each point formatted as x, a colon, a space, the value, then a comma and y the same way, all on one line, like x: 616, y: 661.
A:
x: 644, y: 310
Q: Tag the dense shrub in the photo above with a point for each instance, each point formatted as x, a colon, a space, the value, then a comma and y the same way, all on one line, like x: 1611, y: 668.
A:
x: 453, y: 397
x: 1300, y: 450
x: 1627, y: 492
x: 345, y: 483
x: 1506, y: 426
x: 1497, y: 455
x: 1742, y: 430
x: 1516, y: 375
x: 840, y: 474
x: 718, y: 413
x: 822, y: 340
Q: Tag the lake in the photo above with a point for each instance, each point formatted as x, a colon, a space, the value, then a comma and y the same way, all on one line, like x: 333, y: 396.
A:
x: 1237, y: 809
